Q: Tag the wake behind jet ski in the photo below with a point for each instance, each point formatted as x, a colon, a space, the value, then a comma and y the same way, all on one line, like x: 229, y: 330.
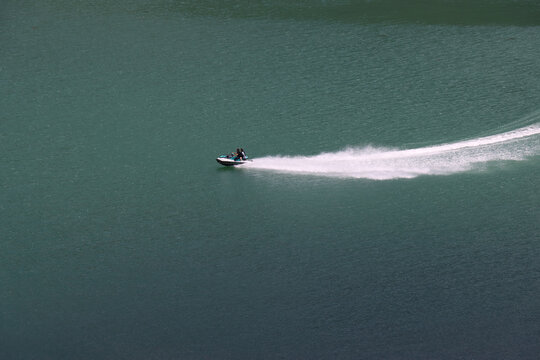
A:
x: 233, y: 159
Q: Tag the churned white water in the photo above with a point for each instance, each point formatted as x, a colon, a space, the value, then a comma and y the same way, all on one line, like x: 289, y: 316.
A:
x: 385, y: 163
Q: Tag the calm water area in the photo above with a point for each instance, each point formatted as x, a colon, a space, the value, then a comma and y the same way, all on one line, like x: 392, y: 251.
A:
x: 391, y: 210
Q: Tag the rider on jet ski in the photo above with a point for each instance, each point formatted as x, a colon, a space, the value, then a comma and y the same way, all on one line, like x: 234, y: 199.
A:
x: 240, y: 154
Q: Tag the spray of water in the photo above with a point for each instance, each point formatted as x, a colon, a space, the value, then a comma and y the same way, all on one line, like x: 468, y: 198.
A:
x: 384, y: 163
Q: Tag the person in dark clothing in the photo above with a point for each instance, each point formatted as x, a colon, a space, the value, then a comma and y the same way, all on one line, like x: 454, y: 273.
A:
x: 244, y: 157
x: 238, y: 155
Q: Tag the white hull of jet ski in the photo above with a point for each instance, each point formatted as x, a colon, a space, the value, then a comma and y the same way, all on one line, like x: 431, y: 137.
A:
x: 224, y: 160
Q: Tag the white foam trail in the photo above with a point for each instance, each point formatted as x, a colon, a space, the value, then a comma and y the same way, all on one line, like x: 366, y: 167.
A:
x: 384, y: 163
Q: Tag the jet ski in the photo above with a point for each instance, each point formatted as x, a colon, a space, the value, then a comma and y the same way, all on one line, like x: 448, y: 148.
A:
x: 228, y: 160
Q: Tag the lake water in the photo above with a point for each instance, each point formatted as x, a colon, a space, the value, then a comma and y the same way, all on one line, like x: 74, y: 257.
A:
x: 391, y: 211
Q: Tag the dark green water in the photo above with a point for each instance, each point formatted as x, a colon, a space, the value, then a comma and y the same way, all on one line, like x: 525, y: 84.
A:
x: 391, y: 210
